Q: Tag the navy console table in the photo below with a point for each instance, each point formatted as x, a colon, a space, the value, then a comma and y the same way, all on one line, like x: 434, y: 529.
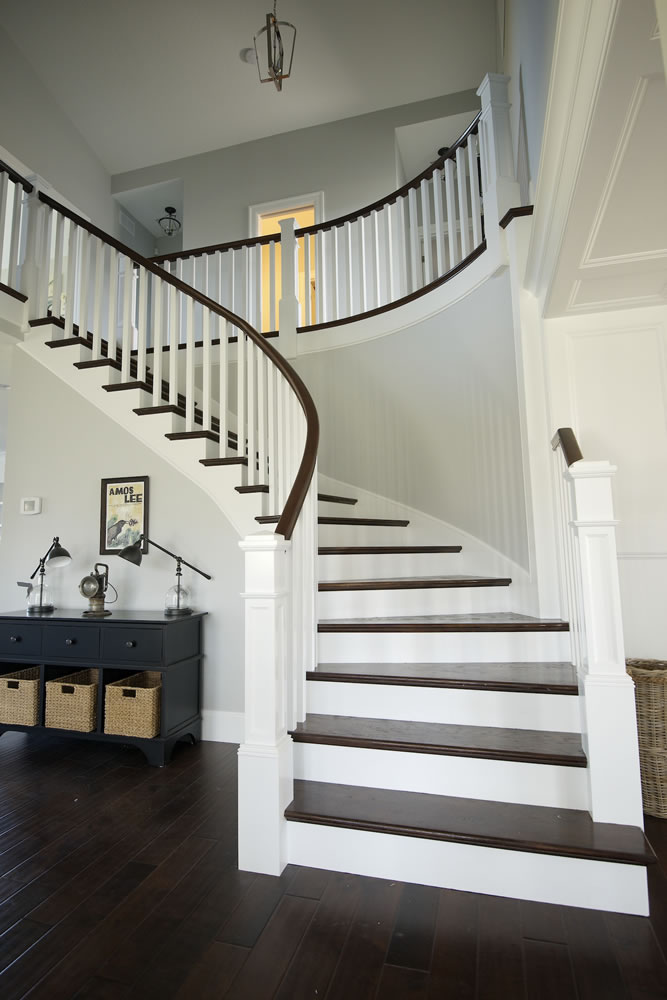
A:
x: 118, y: 645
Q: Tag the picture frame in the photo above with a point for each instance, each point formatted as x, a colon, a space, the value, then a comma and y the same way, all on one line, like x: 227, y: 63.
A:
x: 124, y: 503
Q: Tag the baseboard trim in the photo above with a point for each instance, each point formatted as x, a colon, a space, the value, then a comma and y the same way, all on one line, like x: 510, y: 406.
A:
x: 223, y: 727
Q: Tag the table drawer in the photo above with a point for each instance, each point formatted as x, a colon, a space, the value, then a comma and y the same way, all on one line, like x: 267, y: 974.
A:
x: 132, y: 645
x: 65, y: 642
x: 19, y: 639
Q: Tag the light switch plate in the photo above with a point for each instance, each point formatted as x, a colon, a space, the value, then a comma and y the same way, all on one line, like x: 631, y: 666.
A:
x: 31, y: 505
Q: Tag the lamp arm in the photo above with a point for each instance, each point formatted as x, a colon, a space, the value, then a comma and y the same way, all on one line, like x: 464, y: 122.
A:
x: 40, y: 564
x: 177, y: 558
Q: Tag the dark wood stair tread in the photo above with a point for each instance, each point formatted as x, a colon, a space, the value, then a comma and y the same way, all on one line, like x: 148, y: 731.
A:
x: 376, y: 521
x: 193, y: 436
x: 380, y: 550
x: 252, y: 489
x: 536, y: 829
x: 223, y: 461
x: 488, y: 742
x: 544, y: 678
x: 332, y: 498
x: 495, y: 621
x: 416, y: 583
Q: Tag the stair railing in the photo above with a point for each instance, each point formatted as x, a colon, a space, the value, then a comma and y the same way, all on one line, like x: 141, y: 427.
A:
x: 13, y: 193
x: 157, y: 331
x: 591, y: 599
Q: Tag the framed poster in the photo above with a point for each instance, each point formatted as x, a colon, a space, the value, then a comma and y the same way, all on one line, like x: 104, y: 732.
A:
x: 123, y: 514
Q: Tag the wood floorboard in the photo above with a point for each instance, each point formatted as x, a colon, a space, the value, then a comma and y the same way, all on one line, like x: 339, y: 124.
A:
x: 132, y: 892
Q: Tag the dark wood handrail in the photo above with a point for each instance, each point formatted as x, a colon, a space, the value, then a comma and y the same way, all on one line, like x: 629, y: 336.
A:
x: 566, y: 440
x: 15, y: 176
x: 301, y: 484
x: 322, y: 227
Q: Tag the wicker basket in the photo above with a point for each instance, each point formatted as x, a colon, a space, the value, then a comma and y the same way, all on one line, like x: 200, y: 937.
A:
x: 132, y: 705
x: 19, y: 697
x: 71, y: 701
x: 650, y: 677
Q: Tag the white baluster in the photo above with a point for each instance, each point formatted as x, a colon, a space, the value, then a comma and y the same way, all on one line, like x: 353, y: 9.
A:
x: 350, y: 271
x: 415, y: 252
x: 15, y: 232
x: 241, y: 395
x: 44, y: 269
x: 4, y: 198
x: 232, y: 280
x: 426, y: 232
x: 251, y: 380
x: 174, y: 338
x: 257, y: 286
x: 438, y: 212
x: 401, y: 248
x: 72, y: 243
x: 281, y: 395
x: 273, y: 432
x: 142, y: 324
x: 308, y: 303
x: 363, y: 283
x: 319, y: 279
x: 56, y: 302
x: 450, y: 188
x: 189, y: 363
x: 160, y: 319
x: 262, y: 433
x: 464, y: 213
x: 128, y: 285
x: 113, y: 304
x: 84, y: 283
x: 100, y: 251
x: 273, y: 325
x: 244, y: 294
x: 473, y: 173
x: 288, y: 313
x: 223, y: 334
x: 335, y: 284
x: 384, y: 254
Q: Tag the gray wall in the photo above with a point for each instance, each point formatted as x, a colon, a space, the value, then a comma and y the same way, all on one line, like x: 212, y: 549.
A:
x: 63, y: 462
x: 353, y: 161
x: 429, y: 417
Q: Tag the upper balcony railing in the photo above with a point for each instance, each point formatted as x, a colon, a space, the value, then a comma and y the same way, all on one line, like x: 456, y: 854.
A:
x: 385, y: 254
x: 13, y: 191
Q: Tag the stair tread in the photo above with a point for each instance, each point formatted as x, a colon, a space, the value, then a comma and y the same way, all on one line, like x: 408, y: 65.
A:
x: 538, y: 829
x: 374, y: 550
x: 559, y: 678
x: 332, y: 498
x: 416, y: 582
x: 489, y: 742
x: 324, y: 519
x: 495, y: 621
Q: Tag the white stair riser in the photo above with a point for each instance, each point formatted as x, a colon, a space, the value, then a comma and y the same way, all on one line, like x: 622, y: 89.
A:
x: 373, y: 567
x: 445, y: 647
x: 428, y: 601
x: 545, y: 878
x: 455, y: 706
x: 363, y: 534
x: 465, y: 777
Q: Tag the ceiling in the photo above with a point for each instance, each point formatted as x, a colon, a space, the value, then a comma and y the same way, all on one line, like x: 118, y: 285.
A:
x: 614, y: 251
x: 153, y: 81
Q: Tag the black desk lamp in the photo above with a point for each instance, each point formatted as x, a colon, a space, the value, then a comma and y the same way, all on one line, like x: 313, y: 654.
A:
x: 38, y: 598
x: 177, y: 597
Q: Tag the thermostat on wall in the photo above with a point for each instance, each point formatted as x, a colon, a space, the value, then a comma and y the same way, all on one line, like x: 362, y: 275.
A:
x: 31, y: 505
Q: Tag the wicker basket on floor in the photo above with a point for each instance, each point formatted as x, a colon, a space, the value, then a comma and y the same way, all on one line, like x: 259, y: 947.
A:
x: 132, y: 705
x: 19, y: 697
x: 71, y: 701
x: 650, y: 677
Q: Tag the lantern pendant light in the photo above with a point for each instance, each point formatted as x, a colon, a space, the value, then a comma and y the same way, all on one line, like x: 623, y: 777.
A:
x: 274, y: 49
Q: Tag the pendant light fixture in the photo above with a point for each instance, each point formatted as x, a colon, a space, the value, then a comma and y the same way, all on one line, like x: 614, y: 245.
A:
x: 274, y: 49
x: 169, y: 224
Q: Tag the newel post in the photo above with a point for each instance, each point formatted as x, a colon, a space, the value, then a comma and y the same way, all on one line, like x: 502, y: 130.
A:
x: 500, y: 189
x: 265, y: 757
x: 609, y: 722
x: 288, y: 306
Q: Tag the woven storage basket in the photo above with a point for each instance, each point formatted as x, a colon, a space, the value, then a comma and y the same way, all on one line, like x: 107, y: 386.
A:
x: 132, y: 705
x: 71, y: 701
x: 650, y: 677
x: 19, y: 697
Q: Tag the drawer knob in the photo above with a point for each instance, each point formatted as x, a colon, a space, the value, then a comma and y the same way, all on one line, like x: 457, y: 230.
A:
x: 130, y: 643
x: 70, y: 642
x: 15, y: 638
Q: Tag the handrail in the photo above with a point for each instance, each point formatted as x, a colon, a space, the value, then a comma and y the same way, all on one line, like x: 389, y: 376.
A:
x: 297, y: 495
x: 566, y: 439
x: 15, y: 176
x: 342, y: 219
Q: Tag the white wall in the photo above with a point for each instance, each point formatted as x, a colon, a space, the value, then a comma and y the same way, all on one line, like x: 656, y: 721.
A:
x: 353, y: 161
x: 36, y: 130
x: 59, y: 449
x: 530, y: 31
x: 429, y: 417
x: 608, y: 380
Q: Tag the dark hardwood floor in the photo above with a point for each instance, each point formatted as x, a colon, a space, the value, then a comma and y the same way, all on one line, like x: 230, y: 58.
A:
x: 118, y: 881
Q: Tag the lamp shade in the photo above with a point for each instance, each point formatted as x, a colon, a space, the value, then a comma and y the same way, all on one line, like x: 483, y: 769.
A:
x: 133, y: 552
x: 59, y: 556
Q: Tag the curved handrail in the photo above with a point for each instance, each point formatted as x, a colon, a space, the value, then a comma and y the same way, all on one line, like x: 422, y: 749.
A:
x: 565, y: 439
x: 342, y: 219
x: 15, y: 176
x: 297, y: 495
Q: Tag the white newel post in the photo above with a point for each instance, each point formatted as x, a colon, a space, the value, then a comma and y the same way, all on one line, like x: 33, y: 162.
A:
x: 288, y: 307
x: 608, y: 701
x: 265, y: 757
x: 500, y: 188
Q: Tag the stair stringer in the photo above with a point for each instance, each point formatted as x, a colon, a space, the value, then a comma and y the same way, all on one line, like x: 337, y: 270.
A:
x: 218, y: 482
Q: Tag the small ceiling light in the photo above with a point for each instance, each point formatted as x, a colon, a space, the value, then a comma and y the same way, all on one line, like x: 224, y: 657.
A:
x: 275, y: 50
x: 169, y: 224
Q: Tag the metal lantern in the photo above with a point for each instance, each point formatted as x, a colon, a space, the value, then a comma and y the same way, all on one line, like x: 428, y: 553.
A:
x: 169, y: 224
x: 274, y: 50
